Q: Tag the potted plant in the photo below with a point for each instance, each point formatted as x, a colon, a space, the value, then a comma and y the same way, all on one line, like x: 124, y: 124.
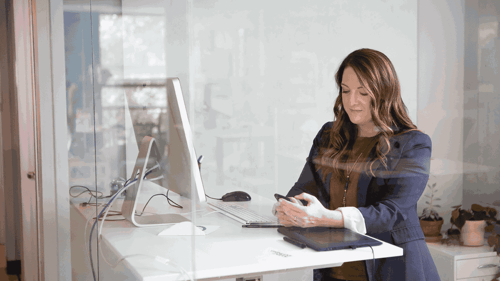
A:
x: 430, y: 221
x: 473, y: 223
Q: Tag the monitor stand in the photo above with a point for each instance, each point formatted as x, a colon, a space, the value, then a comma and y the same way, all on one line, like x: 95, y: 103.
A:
x: 148, y: 157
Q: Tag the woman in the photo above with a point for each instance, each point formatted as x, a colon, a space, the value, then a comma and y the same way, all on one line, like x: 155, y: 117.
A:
x: 366, y: 171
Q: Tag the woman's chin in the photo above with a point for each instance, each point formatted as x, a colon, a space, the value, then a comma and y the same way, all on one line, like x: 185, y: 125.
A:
x: 358, y: 122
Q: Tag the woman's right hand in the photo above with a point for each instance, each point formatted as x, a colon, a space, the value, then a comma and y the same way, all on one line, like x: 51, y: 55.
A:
x: 276, y: 205
x: 275, y: 213
x: 314, y: 214
x: 282, y: 217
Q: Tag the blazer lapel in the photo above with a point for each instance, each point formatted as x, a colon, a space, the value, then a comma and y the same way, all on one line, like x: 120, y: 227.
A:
x: 363, y: 182
x: 365, y: 178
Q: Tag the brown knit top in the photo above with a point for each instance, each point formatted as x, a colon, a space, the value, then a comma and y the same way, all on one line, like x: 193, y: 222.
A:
x: 361, y: 148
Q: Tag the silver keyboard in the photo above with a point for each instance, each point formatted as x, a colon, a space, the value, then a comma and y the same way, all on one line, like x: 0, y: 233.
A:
x: 240, y: 213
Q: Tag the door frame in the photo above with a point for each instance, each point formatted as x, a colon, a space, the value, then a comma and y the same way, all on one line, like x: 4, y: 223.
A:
x: 52, y: 152
x: 38, y: 33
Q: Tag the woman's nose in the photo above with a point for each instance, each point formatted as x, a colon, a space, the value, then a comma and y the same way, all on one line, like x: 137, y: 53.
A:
x: 354, y: 98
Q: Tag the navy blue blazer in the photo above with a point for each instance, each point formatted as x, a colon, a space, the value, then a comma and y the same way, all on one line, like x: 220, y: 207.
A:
x: 387, y: 201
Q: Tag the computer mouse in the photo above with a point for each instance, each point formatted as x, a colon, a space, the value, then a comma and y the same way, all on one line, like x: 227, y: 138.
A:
x: 236, y: 196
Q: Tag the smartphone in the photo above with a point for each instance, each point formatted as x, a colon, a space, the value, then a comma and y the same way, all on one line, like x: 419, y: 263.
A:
x: 279, y: 196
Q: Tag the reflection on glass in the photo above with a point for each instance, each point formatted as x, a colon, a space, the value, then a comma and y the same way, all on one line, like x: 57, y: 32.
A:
x: 489, y: 54
x: 128, y: 69
x: 132, y: 47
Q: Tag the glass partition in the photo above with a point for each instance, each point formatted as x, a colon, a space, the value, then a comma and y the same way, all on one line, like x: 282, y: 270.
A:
x: 262, y: 80
x: 87, y: 167
x: 116, y: 89
x: 258, y: 83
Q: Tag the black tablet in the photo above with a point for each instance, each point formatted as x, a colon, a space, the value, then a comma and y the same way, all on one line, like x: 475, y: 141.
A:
x: 327, y: 238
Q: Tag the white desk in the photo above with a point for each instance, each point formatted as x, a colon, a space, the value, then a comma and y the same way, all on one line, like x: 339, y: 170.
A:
x: 229, y: 252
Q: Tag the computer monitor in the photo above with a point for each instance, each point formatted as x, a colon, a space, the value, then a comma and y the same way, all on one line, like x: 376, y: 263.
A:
x: 179, y: 166
x: 182, y: 172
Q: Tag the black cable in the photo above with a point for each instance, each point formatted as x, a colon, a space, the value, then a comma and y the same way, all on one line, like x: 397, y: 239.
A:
x: 212, y: 197
x: 85, y: 191
x: 143, y: 209
x: 170, y: 201
x: 91, y: 192
x: 373, y: 263
x: 114, y: 214
x: 92, y: 204
x: 97, y: 195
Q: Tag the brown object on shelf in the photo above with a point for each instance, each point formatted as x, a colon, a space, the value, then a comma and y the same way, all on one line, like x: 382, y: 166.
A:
x: 431, y: 228
x: 433, y: 239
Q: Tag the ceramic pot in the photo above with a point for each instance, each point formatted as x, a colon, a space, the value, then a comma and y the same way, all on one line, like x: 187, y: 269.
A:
x: 431, y: 228
x: 472, y: 233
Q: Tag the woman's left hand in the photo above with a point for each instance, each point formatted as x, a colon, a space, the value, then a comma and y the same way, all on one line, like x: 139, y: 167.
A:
x: 294, y: 214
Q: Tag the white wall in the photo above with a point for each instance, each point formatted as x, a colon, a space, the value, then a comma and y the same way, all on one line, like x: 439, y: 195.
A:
x: 441, y: 96
x: 262, y: 77
x: 482, y: 103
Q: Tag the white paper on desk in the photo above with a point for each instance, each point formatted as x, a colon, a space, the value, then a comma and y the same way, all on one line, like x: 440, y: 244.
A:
x: 186, y: 228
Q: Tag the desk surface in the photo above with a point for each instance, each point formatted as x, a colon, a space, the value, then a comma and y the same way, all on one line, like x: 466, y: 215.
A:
x: 230, y: 251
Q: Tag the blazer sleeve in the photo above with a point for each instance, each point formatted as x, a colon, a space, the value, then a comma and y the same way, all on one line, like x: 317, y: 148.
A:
x: 398, y: 189
x: 309, y: 180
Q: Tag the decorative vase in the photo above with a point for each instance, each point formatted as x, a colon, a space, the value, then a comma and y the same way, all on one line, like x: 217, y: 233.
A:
x: 472, y: 233
x: 431, y: 228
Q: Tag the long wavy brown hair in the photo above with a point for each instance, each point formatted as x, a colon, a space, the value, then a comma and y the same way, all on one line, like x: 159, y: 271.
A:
x: 389, y: 114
